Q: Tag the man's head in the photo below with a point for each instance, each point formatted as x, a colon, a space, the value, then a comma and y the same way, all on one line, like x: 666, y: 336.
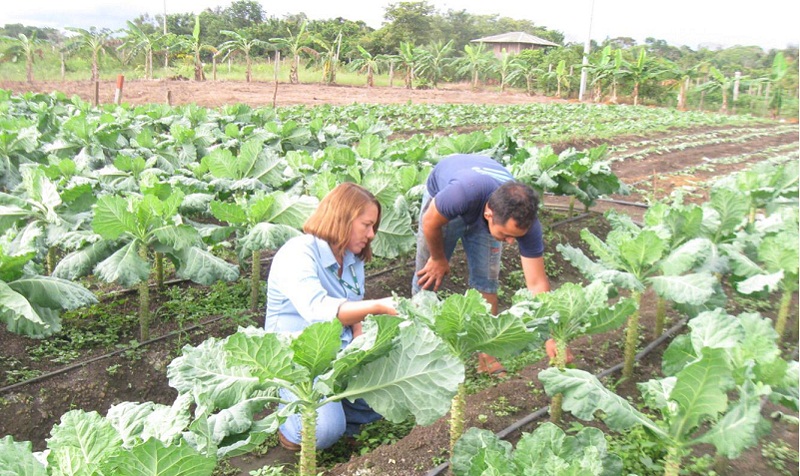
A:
x: 511, y: 210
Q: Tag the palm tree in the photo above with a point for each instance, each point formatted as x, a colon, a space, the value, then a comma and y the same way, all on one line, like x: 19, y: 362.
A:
x: 718, y: 81
x: 523, y: 66
x: 329, y: 57
x: 97, y: 42
x: 197, y: 47
x: 433, y: 60
x: 27, y: 47
x: 408, y: 59
x: 475, y: 61
x: 367, y: 63
x: 137, y: 40
x: 643, y: 69
x: 241, y: 43
x: 295, y: 44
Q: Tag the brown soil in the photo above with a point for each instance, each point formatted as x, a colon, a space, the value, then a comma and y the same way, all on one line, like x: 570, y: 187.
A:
x: 29, y: 411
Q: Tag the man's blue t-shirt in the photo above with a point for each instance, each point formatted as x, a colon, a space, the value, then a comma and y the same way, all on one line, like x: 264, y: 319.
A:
x: 462, y: 184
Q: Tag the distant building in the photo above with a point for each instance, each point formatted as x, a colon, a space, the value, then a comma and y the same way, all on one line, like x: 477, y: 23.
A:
x: 514, y: 42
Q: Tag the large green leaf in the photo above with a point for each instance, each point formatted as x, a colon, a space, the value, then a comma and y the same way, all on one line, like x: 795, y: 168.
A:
x: 125, y: 266
x: 396, y: 235
x: 693, y: 289
x: 584, y: 395
x: 16, y: 459
x: 267, y: 357
x: 316, y: 347
x: 154, y: 458
x: 202, y: 267
x: 113, y: 217
x: 700, y: 392
x: 82, y: 443
x: 203, y: 373
x: 418, y: 378
x: 82, y: 262
x: 54, y: 293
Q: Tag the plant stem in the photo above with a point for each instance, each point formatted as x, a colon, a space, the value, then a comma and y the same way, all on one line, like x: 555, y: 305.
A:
x: 51, y: 260
x: 144, y: 302
x: 308, y: 445
x: 783, y: 313
x: 559, y: 362
x: 661, y: 314
x: 255, y: 280
x: 159, y: 258
x: 672, y: 462
x: 632, y: 337
x: 457, y: 415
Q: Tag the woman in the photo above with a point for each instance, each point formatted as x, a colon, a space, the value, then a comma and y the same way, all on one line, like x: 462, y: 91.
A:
x: 318, y: 277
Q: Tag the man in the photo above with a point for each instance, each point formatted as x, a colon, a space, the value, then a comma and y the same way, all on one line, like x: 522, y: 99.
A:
x: 474, y: 199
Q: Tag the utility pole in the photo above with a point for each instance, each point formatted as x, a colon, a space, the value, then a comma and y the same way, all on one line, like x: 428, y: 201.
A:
x: 586, y: 47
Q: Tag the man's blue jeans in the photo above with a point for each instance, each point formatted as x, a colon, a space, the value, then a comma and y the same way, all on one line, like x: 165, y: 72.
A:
x: 482, y: 250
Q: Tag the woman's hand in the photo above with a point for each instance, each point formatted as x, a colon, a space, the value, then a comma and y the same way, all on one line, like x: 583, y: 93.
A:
x: 388, y: 305
x: 550, y: 348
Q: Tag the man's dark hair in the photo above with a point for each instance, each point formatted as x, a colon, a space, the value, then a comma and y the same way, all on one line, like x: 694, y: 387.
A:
x: 514, y: 200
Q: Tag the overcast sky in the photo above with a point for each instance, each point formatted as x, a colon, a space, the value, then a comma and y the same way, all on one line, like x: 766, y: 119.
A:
x: 764, y: 23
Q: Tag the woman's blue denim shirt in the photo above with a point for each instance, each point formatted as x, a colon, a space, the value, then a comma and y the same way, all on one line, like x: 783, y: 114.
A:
x: 303, y: 286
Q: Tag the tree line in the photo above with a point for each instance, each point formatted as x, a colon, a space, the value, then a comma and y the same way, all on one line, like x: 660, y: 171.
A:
x: 423, y: 48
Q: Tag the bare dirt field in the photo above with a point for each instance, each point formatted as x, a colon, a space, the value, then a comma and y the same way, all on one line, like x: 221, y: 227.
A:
x: 29, y: 411
x: 218, y: 93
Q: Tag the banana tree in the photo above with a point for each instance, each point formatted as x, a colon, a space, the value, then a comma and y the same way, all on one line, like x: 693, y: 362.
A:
x: 28, y: 47
x: 239, y: 42
x: 572, y: 311
x: 295, y: 44
x: 466, y: 325
x: 263, y: 222
x: 129, y: 230
x: 30, y: 303
x: 97, y: 42
x: 636, y: 259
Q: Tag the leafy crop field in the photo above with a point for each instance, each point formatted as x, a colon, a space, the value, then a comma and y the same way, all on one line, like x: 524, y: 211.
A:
x: 156, y: 224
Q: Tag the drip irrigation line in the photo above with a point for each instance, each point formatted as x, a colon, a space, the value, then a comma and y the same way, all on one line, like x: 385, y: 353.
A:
x: 110, y: 354
x: 145, y: 343
x: 530, y: 418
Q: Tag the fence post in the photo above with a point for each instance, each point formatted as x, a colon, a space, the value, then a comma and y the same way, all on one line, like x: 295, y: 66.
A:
x: 118, y: 93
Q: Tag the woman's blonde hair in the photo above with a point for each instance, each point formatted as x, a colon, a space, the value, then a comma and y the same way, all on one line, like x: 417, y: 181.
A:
x: 333, y: 219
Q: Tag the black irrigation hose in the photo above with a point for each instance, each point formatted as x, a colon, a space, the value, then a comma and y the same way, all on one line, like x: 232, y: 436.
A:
x: 530, y: 418
x: 110, y: 354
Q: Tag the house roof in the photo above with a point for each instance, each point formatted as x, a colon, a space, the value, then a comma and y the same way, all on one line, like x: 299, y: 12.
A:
x: 516, y: 37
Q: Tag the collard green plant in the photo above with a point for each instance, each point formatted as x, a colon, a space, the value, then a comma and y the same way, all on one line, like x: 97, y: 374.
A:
x: 547, y: 451
x: 388, y: 366
x: 635, y: 258
x: 466, y: 325
x: 583, y: 175
x: 263, y: 222
x: 766, y: 259
x: 130, y: 229
x: 30, y: 303
x: 37, y: 203
x: 572, y: 311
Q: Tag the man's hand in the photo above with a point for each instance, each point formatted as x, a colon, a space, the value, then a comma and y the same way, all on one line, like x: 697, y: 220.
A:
x: 433, y: 273
x: 550, y: 348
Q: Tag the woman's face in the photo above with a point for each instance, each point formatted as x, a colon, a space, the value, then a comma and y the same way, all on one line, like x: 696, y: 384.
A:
x: 361, y: 233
